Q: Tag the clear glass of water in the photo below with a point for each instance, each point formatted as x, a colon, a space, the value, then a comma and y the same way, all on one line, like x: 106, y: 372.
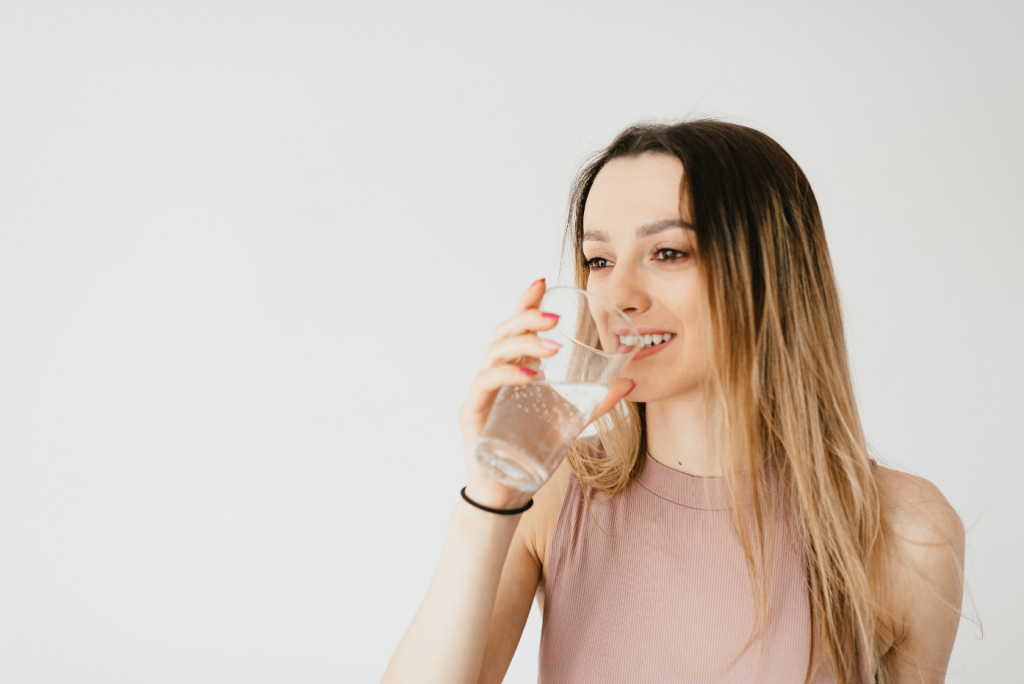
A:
x: 531, y: 427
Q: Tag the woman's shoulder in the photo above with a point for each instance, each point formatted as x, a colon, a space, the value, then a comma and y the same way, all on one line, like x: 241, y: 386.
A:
x: 915, y: 508
x: 924, y: 579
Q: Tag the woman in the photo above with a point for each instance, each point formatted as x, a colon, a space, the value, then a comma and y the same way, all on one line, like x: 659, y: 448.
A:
x: 728, y: 524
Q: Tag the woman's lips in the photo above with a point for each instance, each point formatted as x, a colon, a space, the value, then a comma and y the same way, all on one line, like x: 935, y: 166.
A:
x: 646, y: 351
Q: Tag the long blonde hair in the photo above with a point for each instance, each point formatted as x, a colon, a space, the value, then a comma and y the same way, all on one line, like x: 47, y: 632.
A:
x: 779, y: 380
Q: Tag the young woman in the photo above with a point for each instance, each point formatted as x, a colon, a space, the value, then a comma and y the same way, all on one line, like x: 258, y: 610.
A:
x: 728, y: 525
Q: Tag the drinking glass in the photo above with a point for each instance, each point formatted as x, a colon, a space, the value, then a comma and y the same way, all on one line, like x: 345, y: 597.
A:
x: 531, y: 427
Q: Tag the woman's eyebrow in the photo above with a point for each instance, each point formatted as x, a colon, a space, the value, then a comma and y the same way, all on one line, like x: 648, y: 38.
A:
x: 646, y: 230
x: 649, y: 229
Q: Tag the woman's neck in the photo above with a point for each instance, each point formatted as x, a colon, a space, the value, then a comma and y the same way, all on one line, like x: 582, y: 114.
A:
x: 677, y: 435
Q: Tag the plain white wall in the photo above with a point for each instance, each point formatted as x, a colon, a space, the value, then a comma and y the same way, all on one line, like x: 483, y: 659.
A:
x: 251, y: 255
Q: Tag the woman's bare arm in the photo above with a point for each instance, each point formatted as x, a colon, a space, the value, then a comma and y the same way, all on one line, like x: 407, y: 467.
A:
x: 446, y: 640
x: 510, y: 603
x: 927, y: 580
x: 522, y: 575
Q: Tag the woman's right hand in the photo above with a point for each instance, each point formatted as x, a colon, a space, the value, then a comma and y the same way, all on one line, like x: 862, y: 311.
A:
x: 507, y: 363
x: 516, y: 347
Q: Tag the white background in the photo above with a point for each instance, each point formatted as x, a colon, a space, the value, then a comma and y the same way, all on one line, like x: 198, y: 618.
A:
x: 251, y: 255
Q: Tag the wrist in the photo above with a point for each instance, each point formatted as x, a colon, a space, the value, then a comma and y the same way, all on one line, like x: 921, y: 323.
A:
x: 498, y: 497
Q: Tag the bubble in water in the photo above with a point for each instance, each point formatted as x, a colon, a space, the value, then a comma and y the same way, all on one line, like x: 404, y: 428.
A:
x: 538, y: 439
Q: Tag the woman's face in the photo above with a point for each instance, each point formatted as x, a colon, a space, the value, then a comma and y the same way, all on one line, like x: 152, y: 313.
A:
x: 641, y: 252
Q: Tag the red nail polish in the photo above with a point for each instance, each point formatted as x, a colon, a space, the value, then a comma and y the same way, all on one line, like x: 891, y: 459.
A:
x: 538, y: 280
x: 527, y: 371
x: 552, y: 316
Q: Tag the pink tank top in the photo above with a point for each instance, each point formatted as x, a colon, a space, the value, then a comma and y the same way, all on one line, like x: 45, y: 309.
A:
x: 662, y: 593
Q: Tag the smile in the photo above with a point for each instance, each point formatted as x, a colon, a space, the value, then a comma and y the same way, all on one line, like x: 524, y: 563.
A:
x: 644, y: 341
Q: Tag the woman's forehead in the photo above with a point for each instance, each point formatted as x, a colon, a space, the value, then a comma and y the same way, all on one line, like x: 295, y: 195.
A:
x: 630, y: 192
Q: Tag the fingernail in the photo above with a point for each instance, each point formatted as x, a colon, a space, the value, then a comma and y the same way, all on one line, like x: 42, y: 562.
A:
x: 527, y: 371
x: 550, y: 344
x: 552, y: 316
x: 631, y: 388
x: 538, y: 280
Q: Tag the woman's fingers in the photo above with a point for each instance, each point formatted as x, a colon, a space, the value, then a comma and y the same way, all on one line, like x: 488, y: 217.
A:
x: 527, y: 317
x: 528, y: 321
x: 506, y: 359
x: 530, y: 299
x: 521, y: 346
x: 485, y: 388
x: 620, y: 387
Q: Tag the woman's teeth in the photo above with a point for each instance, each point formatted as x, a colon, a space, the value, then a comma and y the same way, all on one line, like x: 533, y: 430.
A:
x: 644, y: 340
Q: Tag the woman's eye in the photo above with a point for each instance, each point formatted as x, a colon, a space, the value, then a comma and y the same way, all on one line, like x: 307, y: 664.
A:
x: 597, y: 263
x: 666, y: 254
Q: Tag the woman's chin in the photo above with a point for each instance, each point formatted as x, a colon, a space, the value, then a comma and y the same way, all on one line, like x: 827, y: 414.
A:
x: 650, y: 391
x: 639, y: 396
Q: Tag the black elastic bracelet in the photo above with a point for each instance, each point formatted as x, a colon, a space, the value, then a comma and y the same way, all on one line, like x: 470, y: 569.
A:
x: 499, y: 511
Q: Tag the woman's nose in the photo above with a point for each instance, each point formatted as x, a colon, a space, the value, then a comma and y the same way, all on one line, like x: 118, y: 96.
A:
x: 627, y: 293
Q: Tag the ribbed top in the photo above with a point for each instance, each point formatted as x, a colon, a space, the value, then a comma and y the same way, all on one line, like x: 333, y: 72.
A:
x: 703, y: 493
x: 654, y: 588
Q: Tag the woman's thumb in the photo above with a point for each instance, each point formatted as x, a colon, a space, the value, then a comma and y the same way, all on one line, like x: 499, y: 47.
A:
x: 620, y: 388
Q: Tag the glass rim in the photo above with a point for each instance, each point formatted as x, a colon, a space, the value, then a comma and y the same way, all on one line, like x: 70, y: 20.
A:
x: 604, y: 301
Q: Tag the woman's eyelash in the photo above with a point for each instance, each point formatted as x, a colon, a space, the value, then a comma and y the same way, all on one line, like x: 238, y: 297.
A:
x: 664, y: 254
